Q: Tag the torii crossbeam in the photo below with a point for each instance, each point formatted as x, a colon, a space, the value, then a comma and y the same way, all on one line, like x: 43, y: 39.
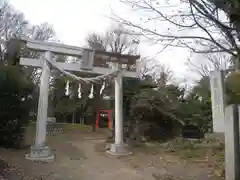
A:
x: 92, y: 60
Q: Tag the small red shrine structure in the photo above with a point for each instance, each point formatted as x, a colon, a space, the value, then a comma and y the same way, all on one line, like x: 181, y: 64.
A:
x: 108, y: 111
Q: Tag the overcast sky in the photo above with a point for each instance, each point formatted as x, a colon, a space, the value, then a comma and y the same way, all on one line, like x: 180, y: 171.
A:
x: 73, y: 20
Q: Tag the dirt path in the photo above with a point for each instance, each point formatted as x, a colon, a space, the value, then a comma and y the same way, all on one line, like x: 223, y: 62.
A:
x: 139, y: 166
x: 83, y: 157
x: 100, y: 166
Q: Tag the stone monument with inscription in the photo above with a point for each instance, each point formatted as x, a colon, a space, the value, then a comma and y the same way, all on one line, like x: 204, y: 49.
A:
x: 218, y: 100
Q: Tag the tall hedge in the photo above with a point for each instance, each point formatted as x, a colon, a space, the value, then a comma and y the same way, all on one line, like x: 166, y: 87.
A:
x: 15, y: 104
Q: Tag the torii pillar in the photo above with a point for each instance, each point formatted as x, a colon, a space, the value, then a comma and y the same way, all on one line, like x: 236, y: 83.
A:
x: 39, y: 151
x: 118, y: 147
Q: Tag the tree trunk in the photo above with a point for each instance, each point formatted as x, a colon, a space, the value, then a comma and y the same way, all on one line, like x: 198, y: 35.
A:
x: 94, y: 122
x: 65, y: 118
x: 96, y: 104
x: 73, y: 117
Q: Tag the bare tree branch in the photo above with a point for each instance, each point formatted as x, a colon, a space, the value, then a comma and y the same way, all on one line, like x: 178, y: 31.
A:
x: 211, y: 32
x: 209, y: 62
x: 116, y: 39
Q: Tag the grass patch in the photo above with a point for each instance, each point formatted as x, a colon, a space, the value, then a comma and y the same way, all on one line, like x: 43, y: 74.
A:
x: 186, y: 149
x: 207, y: 152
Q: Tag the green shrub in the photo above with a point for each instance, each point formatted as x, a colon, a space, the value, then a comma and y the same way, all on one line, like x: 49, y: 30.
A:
x: 233, y: 88
x: 15, y: 104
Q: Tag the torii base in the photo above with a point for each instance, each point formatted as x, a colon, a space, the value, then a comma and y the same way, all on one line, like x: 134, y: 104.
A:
x: 40, y: 154
x: 119, y: 150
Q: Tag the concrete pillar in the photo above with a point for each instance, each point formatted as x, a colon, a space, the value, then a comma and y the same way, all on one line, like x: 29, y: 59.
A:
x: 218, y: 100
x: 118, y: 110
x: 40, y: 151
x: 232, y: 142
x: 43, y: 104
x: 119, y: 148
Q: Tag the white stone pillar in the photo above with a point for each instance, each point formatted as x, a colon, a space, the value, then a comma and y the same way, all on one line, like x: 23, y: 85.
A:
x: 231, y: 142
x: 39, y: 151
x: 43, y: 103
x: 218, y: 100
x: 118, y: 110
x: 119, y: 148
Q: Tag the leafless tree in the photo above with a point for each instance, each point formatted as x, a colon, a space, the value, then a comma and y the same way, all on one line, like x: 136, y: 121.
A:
x: 119, y: 39
x: 206, y: 63
x: 196, y: 24
x: 12, y: 22
x: 116, y: 39
x: 163, y: 75
x: 96, y: 41
x: 42, y: 32
x: 147, y: 67
x: 158, y: 72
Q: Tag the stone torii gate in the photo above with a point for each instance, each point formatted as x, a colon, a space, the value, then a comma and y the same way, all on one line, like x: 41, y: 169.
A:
x: 90, y: 59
